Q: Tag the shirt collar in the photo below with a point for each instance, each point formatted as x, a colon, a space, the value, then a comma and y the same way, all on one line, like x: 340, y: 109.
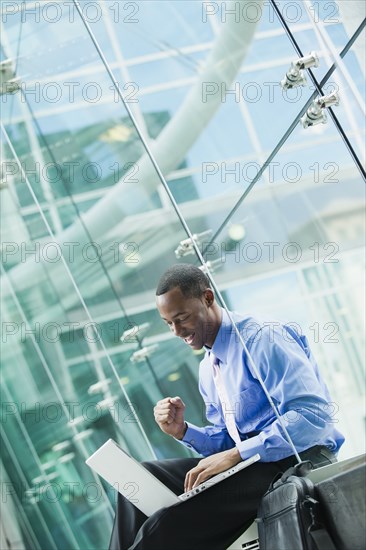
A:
x: 220, y: 345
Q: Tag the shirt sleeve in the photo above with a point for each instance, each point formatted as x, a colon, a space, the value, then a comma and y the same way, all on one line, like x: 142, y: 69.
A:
x: 207, y: 440
x: 299, y: 395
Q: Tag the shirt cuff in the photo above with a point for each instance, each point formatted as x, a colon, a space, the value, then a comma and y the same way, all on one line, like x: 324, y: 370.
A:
x: 252, y: 446
x: 195, y: 438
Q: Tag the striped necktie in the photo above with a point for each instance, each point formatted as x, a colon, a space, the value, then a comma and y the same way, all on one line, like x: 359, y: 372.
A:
x: 229, y: 414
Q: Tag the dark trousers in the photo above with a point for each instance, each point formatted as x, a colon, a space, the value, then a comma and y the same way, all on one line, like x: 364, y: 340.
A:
x: 213, y: 519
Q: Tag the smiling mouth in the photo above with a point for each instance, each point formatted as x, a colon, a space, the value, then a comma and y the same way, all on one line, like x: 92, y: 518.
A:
x: 189, y: 339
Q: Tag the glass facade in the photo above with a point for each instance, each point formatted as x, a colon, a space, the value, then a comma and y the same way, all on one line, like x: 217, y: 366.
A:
x: 94, y: 97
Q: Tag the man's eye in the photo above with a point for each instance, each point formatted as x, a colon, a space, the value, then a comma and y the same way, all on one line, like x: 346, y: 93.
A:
x: 169, y: 323
x: 182, y: 320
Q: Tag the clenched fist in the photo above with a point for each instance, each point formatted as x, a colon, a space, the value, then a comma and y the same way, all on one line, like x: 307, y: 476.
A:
x: 169, y: 414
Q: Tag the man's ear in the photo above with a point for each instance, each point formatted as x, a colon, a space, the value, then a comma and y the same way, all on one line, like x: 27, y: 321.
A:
x: 209, y: 297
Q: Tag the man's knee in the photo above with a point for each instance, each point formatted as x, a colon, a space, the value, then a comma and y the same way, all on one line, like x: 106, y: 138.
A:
x: 170, y: 464
x: 158, y: 465
x: 148, y: 464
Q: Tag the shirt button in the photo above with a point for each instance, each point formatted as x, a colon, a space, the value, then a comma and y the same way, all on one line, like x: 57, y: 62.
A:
x: 192, y: 441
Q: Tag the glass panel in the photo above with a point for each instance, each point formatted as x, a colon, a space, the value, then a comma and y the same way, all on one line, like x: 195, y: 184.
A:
x: 85, y: 355
x: 332, y: 26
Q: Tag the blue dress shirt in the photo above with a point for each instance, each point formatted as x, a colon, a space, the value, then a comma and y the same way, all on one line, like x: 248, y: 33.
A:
x: 292, y: 378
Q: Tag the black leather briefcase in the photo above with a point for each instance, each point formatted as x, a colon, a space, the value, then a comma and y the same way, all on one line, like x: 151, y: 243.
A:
x: 289, y: 516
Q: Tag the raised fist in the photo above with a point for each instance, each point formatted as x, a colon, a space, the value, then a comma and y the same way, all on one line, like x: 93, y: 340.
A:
x: 169, y: 414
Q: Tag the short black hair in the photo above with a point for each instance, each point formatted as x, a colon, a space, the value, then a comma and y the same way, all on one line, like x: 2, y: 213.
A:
x: 189, y: 278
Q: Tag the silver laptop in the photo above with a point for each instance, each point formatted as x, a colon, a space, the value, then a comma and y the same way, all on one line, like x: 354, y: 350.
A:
x: 141, y: 487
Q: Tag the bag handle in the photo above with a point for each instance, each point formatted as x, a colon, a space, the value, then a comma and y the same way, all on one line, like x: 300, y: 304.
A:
x: 301, y: 469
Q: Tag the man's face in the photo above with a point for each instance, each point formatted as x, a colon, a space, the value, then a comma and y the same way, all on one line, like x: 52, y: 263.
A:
x: 192, y: 319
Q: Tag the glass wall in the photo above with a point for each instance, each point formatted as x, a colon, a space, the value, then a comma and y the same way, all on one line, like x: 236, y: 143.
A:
x: 99, y: 100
